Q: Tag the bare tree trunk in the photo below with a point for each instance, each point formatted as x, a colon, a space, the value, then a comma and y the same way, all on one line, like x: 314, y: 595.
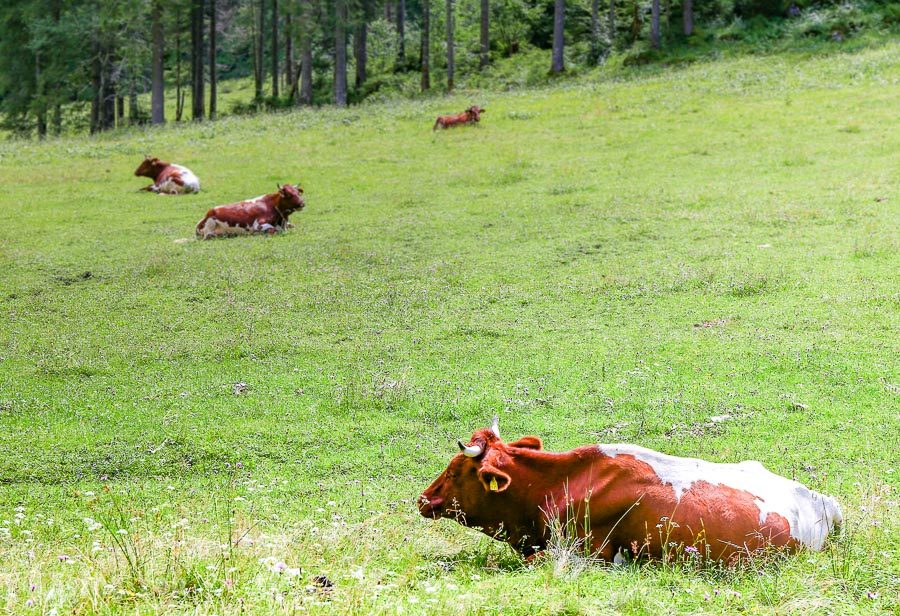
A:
x: 305, y: 97
x: 276, y: 74
x: 179, y: 94
x: 485, y: 33
x: 360, y: 53
x: 259, y: 71
x: 96, y: 83
x: 401, y: 34
x: 41, y: 99
x: 197, y: 82
x: 450, y: 57
x: 688, y: 12
x: 289, y: 64
x: 340, y: 53
x: 612, y: 23
x: 213, y: 77
x: 134, y: 111
x: 426, y: 45
x: 595, y: 31
x: 654, y: 24
x: 107, y: 92
x: 557, y: 64
x: 157, y: 79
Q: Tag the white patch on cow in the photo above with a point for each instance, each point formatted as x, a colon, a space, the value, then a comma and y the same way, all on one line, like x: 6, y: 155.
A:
x: 191, y: 181
x: 811, y: 515
x: 213, y: 227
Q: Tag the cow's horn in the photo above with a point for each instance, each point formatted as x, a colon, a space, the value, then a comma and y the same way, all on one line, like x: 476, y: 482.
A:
x: 495, y: 426
x: 472, y: 451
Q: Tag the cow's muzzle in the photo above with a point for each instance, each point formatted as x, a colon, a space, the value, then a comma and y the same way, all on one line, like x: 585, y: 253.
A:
x: 430, y: 507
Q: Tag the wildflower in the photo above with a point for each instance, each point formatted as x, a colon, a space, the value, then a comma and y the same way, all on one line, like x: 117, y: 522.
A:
x: 122, y: 531
x: 33, y: 587
x: 29, y: 603
x: 871, y: 594
x: 706, y: 596
x: 691, y: 549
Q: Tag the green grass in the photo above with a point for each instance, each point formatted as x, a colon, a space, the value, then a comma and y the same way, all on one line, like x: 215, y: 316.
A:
x: 598, y: 262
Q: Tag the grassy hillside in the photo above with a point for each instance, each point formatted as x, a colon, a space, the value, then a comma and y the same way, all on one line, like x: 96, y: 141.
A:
x: 205, y: 427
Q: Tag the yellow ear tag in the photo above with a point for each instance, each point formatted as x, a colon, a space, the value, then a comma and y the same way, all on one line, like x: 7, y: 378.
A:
x: 493, y: 485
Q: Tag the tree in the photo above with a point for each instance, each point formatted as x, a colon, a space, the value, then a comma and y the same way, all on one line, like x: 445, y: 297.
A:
x: 401, y: 34
x: 687, y: 10
x: 197, y: 103
x: 654, y: 24
x: 557, y: 64
x: 340, y: 53
x: 157, y: 78
x: 450, y: 58
x: 259, y: 71
x: 485, y: 33
x: 308, y: 17
x: 595, y: 31
x: 612, y: 22
x: 360, y: 53
x: 276, y: 75
x: 213, y: 79
x: 426, y: 44
x: 289, y: 65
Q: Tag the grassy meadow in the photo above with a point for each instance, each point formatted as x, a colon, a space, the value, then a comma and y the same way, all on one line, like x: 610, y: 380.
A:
x: 241, y: 426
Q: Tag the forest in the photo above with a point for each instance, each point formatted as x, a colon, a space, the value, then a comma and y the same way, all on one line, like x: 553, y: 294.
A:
x: 69, y: 66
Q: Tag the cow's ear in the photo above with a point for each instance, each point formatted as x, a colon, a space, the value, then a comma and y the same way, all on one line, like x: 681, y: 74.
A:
x: 493, y: 479
x: 528, y: 442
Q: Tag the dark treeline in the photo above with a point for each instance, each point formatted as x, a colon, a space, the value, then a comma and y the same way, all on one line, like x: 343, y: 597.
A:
x: 85, y: 64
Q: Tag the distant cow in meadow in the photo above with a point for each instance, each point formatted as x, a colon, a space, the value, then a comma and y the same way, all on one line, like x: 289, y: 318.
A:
x: 168, y: 179
x: 469, y: 116
x: 265, y: 214
x: 625, y: 501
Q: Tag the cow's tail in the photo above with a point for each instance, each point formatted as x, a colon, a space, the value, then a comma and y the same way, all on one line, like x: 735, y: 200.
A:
x: 436, y: 124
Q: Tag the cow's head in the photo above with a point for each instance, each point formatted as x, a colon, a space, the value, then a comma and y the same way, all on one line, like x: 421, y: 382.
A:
x: 290, y: 199
x: 474, y: 487
x: 150, y: 167
x: 475, y: 112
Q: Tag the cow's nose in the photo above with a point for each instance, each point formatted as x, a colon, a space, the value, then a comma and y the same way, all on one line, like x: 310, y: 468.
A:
x: 428, y: 506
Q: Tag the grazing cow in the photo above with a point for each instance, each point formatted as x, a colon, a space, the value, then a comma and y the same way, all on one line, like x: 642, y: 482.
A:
x: 168, y: 179
x: 469, y: 116
x: 625, y: 501
x: 265, y: 214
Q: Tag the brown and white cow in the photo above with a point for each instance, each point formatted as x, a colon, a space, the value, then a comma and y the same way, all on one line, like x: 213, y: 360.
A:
x: 469, y: 116
x: 264, y: 214
x: 636, y: 501
x: 168, y: 179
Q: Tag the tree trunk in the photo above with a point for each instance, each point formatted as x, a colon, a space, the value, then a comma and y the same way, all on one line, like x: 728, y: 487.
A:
x: 688, y: 12
x: 340, y: 53
x: 179, y: 95
x: 134, y: 111
x: 96, y: 83
x: 157, y: 79
x: 213, y: 77
x: 401, y: 34
x: 259, y: 71
x: 197, y: 82
x: 276, y: 74
x: 360, y: 53
x: 557, y: 64
x: 107, y: 92
x: 612, y: 23
x: 450, y: 57
x: 654, y: 24
x: 595, y: 31
x: 41, y: 99
x: 305, y: 97
x: 485, y: 33
x: 56, y: 120
x: 289, y: 64
x: 426, y: 45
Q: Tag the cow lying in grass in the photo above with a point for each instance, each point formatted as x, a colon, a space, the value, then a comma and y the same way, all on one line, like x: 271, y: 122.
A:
x: 625, y: 501
x: 168, y: 179
x: 469, y: 116
x: 265, y: 214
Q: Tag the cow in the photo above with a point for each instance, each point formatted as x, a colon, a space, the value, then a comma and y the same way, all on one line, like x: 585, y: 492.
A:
x: 168, y: 179
x: 625, y: 501
x: 264, y: 214
x: 469, y: 116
